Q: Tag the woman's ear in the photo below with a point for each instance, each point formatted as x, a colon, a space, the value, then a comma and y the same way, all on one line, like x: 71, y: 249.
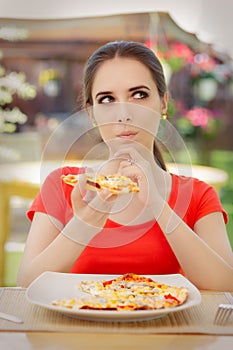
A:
x: 165, y: 103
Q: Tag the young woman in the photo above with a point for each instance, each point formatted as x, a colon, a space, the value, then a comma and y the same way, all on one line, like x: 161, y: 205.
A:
x: 174, y: 224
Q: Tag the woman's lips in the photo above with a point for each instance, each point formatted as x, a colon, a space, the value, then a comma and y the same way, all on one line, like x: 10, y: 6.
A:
x: 127, y: 134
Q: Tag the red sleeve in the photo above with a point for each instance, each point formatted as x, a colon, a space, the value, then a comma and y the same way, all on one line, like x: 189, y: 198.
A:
x: 192, y: 199
x: 207, y: 200
x: 54, y: 196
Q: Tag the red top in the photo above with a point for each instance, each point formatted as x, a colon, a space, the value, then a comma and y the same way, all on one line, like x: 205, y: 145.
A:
x: 118, y: 249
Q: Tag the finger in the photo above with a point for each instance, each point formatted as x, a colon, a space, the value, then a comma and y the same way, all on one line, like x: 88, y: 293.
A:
x: 89, y: 170
x: 89, y: 195
x: 76, y: 198
x: 131, y: 165
x: 81, y: 182
x: 80, y: 194
x: 106, y: 195
x: 129, y: 153
x: 82, y: 178
x: 124, y: 164
x: 103, y: 201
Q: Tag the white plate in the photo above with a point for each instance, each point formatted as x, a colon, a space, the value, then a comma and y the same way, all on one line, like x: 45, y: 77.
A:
x: 54, y: 285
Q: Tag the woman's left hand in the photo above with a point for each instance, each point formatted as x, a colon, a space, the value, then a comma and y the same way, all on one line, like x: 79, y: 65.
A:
x: 140, y: 170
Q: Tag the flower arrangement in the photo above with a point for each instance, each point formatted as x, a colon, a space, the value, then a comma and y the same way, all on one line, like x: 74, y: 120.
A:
x: 12, y: 84
x: 197, y: 122
x: 176, y: 55
x: 203, y: 74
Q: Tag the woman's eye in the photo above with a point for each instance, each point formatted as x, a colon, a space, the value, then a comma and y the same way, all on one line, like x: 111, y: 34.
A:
x: 106, y: 99
x: 140, y: 95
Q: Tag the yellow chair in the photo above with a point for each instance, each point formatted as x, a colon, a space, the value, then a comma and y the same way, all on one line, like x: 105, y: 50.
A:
x: 8, y: 190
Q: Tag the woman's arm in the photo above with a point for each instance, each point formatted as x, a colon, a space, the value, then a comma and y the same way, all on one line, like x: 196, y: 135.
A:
x: 52, y: 247
x: 205, y: 255
x: 45, y: 250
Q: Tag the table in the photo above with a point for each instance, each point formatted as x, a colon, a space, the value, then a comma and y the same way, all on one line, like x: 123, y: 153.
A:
x: 24, y: 178
x: 45, y: 329
x: 73, y: 341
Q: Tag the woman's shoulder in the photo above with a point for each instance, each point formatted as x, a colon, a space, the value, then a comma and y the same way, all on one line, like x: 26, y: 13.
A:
x: 201, y: 197
x: 73, y: 170
x: 193, y: 188
x: 183, y: 180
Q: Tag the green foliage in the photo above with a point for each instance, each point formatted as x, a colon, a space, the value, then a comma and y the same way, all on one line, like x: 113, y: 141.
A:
x: 224, y: 160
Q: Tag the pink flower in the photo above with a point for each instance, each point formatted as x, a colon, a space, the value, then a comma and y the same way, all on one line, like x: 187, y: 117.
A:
x: 199, y: 116
x: 181, y: 50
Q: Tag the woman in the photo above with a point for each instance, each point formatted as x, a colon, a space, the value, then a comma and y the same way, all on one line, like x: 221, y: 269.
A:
x: 174, y: 224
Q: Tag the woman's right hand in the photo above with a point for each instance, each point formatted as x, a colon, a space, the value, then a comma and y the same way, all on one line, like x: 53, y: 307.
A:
x: 94, y: 207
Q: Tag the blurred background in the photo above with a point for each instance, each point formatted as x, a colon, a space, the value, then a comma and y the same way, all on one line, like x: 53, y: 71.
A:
x: 42, y: 54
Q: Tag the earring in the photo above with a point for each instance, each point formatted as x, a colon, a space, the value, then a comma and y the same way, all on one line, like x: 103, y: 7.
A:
x: 94, y: 123
x: 164, y: 116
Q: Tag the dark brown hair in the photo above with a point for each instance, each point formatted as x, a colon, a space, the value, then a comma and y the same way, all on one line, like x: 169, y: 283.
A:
x: 126, y: 49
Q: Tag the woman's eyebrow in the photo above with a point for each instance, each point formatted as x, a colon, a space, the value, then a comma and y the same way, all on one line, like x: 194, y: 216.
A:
x: 103, y: 93
x: 139, y: 87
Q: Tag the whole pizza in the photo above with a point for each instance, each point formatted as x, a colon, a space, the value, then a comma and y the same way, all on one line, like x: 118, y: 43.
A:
x: 126, y: 292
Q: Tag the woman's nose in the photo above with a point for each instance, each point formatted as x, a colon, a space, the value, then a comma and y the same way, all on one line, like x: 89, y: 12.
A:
x: 124, y: 114
x: 123, y: 120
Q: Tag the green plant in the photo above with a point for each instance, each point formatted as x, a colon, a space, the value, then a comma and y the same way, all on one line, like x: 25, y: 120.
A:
x: 224, y: 160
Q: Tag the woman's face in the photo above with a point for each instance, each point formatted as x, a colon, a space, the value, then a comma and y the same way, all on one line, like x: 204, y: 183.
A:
x: 126, y: 103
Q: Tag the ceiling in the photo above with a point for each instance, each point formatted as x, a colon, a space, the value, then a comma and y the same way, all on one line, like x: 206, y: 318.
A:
x: 78, y: 38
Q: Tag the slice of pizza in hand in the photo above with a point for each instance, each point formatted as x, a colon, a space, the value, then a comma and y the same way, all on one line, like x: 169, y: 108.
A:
x: 116, y: 184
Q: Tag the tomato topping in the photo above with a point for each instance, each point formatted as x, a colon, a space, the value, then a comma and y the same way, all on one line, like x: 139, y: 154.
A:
x: 105, y: 283
x: 169, y: 296
x: 94, y: 184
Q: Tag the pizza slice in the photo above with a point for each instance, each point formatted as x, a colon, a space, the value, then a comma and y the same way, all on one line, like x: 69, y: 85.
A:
x: 126, y: 292
x: 129, y: 281
x: 115, y: 302
x: 116, y: 184
x: 135, y: 285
